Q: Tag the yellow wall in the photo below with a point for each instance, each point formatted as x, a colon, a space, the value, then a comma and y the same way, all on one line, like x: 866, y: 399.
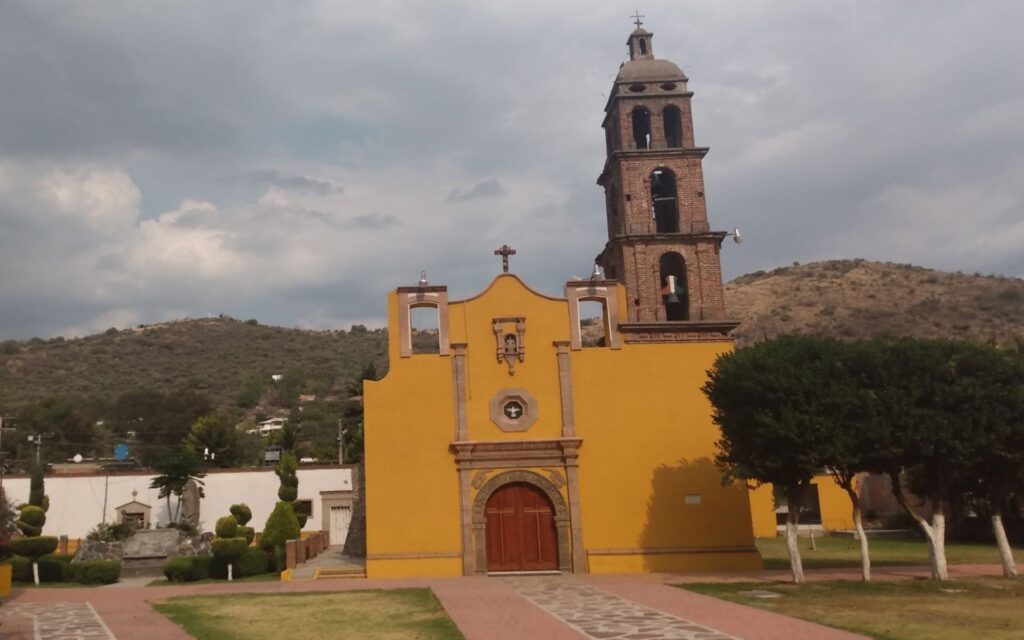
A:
x: 647, y: 443
x: 836, y: 508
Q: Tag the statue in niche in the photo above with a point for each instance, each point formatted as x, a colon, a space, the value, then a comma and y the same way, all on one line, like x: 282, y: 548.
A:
x: 510, y: 336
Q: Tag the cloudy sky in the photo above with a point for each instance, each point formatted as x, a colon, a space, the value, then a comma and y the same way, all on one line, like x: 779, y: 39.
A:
x: 292, y: 161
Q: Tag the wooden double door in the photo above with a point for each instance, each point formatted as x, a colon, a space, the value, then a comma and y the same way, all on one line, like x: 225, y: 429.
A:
x: 520, y: 530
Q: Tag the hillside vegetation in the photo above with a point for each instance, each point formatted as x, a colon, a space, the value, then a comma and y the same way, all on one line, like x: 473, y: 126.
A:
x: 226, y: 359
x: 862, y: 299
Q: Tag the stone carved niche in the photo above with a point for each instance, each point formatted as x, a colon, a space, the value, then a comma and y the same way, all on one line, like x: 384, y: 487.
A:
x: 510, y: 336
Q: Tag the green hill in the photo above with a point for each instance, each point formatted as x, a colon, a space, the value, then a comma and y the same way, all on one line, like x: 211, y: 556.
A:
x: 223, y: 358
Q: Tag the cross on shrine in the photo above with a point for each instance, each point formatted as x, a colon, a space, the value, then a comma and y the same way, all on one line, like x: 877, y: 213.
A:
x: 504, y: 251
x: 638, y: 22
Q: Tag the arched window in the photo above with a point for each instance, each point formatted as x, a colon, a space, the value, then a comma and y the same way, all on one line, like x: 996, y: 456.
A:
x: 673, y: 286
x: 663, y: 201
x: 673, y: 126
x: 424, y: 328
x: 643, y: 46
x: 642, y: 128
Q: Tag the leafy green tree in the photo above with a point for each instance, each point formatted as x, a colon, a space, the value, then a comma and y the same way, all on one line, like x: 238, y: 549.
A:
x: 221, y: 440
x: 998, y: 473
x: 159, y: 420
x: 174, y: 469
x: 930, y: 400
x: 778, y: 405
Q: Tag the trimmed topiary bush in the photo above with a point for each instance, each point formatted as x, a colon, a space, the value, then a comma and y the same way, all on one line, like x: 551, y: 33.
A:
x: 227, y: 527
x: 242, y: 513
x: 52, y: 567
x: 252, y: 562
x: 248, y: 533
x: 34, y: 548
x: 96, y: 571
x: 282, y: 525
x: 228, y: 550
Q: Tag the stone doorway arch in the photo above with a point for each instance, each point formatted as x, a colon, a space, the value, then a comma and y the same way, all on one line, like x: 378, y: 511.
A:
x: 562, y: 531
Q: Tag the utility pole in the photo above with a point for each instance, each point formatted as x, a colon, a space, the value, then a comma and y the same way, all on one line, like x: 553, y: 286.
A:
x: 37, y: 439
x: 341, y: 442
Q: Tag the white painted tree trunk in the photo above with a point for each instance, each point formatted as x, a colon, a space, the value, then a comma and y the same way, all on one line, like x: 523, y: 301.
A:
x: 865, y: 555
x: 35, y: 572
x: 230, y: 574
x: 792, y: 531
x: 938, y: 542
x: 1009, y: 565
x: 935, y: 532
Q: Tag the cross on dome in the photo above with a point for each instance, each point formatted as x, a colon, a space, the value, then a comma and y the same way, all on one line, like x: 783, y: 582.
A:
x: 637, y: 21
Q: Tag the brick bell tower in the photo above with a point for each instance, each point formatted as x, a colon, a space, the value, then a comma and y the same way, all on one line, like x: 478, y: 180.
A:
x: 660, y: 246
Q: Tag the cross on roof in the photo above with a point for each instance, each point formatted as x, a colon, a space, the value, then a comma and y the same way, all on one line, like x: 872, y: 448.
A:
x: 504, y: 251
x: 639, y: 23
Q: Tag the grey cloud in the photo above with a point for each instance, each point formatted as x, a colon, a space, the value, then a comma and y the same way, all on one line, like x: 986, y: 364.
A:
x: 374, y: 221
x: 490, y: 188
x: 296, y: 183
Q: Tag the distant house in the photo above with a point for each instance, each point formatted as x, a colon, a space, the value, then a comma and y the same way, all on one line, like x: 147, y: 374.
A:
x: 265, y: 428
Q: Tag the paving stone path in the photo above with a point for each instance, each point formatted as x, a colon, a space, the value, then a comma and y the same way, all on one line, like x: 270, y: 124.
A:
x: 61, y: 620
x: 599, y: 614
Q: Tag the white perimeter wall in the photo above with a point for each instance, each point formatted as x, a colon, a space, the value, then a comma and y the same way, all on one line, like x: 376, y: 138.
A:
x: 76, y: 502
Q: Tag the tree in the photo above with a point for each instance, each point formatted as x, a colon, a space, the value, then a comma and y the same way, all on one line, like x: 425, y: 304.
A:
x: 175, y: 469
x: 851, y: 448
x: 221, y: 440
x: 930, y: 397
x: 777, y: 406
x: 998, y: 473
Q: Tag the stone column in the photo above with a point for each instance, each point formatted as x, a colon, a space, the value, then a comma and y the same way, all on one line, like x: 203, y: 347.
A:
x: 459, y: 391
x: 565, y: 389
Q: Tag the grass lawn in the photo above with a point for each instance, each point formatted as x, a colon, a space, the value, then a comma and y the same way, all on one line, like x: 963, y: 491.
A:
x: 397, y: 614
x: 834, y: 553
x: 905, y: 610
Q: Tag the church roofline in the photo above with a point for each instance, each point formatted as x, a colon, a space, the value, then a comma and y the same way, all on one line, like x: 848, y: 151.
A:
x: 495, y: 281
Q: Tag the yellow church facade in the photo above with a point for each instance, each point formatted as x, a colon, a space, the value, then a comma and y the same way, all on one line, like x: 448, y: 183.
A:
x: 617, y: 438
x: 523, y: 442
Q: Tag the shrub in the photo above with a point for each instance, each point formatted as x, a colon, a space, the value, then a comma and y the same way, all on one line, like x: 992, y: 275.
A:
x: 242, y: 513
x: 253, y: 562
x: 187, y: 569
x: 201, y: 567
x: 248, y: 533
x: 21, y: 569
x: 227, y: 527
x: 112, y: 532
x: 282, y: 525
x: 178, y: 570
x: 287, y: 494
x: 34, y: 547
x: 52, y: 568
x: 96, y: 571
